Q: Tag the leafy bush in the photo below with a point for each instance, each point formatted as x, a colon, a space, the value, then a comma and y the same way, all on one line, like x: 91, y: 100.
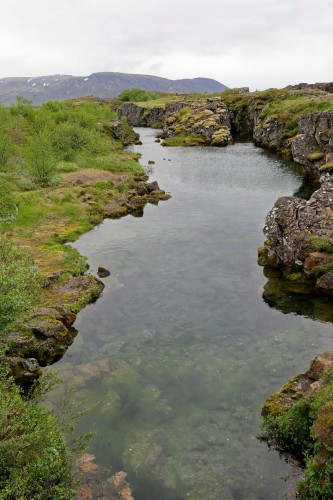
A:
x: 70, y: 138
x: 19, y: 282
x: 137, y: 95
x: 35, y: 460
x: 8, y: 207
x: 6, y: 148
x: 40, y: 159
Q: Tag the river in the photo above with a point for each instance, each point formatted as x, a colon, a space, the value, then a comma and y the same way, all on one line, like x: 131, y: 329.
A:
x: 181, y: 350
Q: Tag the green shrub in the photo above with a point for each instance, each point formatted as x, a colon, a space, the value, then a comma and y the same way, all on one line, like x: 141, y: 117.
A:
x: 70, y: 138
x: 6, y: 148
x: 290, y: 430
x: 36, y: 462
x: 137, y: 95
x: 40, y: 159
x: 19, y: 282
x: 8, y: 206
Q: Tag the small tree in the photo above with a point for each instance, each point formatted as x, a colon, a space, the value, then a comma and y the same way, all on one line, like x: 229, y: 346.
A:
x: 40, y: 158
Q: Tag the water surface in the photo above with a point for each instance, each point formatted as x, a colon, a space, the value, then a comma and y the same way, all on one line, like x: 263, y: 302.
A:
x: 181, y: 351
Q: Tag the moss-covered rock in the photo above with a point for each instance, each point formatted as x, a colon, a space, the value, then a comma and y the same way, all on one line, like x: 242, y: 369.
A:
x: 298, y: 420
x: 207, y: 123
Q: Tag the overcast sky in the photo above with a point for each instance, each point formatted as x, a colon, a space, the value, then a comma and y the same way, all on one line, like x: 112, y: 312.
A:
x: 258, y: 43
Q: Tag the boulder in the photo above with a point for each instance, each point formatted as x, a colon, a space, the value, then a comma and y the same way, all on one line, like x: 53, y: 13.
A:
x: 24, y: 371
x: 320, y: 365
x: 292, y: 223
x: 102, y: 272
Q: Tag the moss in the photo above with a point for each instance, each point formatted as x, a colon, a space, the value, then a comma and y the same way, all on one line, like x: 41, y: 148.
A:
x: 185, y: 140
x: 327, y: 167
x: 315, y: 156
x: 321, y: 244
x: 275, y: 404
x: 294, y: 276
x: 262, y: 256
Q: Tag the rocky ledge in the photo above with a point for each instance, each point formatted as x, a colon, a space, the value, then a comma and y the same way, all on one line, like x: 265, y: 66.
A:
x: 300, y: 387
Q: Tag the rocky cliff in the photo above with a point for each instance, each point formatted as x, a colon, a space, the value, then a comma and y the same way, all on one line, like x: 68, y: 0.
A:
x: 300, y: 232
x: 140, y: 116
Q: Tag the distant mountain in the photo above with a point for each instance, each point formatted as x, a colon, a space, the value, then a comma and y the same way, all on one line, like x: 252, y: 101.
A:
x: 59, y: 87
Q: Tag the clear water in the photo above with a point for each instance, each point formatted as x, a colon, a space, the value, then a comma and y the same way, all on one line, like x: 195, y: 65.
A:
x: 181, y: 351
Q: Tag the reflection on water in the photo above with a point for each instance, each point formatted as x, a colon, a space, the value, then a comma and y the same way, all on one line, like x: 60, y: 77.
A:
x: 181, y: 351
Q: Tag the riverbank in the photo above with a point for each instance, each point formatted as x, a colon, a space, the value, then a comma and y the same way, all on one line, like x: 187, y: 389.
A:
x: 55, y: 210
x: 45, y: 333
x: 63, y: 169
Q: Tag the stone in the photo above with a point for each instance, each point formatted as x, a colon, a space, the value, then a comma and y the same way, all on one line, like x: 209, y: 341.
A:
x: 102, y: 272
x: 141, y: 189
x: 324, y: 284
x: 315, y: 135
x: 289, y: 228
x: 25, y: 371
x: 320, y: 365
x: 152, y: 186
x: 43, y: 328
x: 58, y: 313
x: 315, y: 259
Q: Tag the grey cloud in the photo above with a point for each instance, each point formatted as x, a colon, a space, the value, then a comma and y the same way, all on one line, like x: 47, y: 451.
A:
x: 254, y: 42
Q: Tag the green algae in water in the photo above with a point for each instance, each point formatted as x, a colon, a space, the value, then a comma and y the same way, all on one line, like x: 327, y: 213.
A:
x: 181, y: 351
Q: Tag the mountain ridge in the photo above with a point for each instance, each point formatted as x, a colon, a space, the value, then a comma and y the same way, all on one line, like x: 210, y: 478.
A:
x: 44, y: 88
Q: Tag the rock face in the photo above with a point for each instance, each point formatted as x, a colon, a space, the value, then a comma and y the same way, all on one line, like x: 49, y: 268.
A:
x: 142, y: 117
x: 295, y: 229
x: 119, y: 132
x: 210, y: 122
x: 313, y: 146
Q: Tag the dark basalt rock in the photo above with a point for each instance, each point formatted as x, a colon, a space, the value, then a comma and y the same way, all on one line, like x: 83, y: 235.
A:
x: 315, y: 136
x: 25, y: 371
x: 152, y: 186
x: 289, y: 228
x: 102, y: 272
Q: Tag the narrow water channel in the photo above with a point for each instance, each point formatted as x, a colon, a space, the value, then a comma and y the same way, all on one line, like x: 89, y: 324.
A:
x: 181, y: 351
